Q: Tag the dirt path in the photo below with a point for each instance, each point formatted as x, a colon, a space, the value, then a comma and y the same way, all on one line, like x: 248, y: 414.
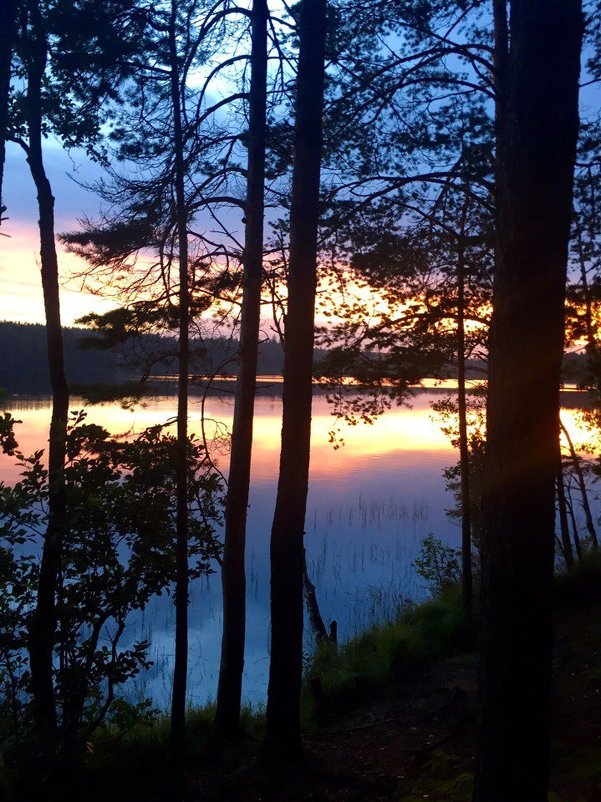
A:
x: 419, y: 744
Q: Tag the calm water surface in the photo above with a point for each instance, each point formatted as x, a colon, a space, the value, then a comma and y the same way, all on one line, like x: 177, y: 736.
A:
x: 370, y: 504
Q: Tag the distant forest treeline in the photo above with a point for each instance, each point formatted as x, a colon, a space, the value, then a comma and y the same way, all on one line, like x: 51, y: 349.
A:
x: 24, y: 364
x: 24, y: 361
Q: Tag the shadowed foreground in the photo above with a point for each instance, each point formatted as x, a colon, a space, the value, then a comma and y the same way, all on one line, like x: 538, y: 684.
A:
x: 409, y: 740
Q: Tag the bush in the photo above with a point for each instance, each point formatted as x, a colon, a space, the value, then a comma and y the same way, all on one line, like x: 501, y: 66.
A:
x: 437, y: 564
x: 118, y: 551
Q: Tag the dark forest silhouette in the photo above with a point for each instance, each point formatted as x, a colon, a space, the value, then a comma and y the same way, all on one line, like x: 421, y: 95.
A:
x: 417, y: 173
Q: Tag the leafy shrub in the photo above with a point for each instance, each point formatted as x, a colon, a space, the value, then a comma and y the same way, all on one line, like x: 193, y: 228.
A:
x: 118, y: 550
x: 439, y: 565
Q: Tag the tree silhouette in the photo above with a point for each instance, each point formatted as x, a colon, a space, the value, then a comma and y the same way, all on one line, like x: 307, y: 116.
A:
x: 537, y: 67
x: 287, y: 554
x: 227, y: 714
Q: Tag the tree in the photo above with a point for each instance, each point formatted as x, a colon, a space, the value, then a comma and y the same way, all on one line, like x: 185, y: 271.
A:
x: 537, y: 65
x: 8, y: 28
x: 466, y: 516
x: 117, y: 552
x: 583, y: 294
x: 434, y: 281
x: 286, y: 550
x: 577, y: 468
x: 187, y: 158
x: 180, y: 670
x: 63, y: 94
x: 403, y: 209
x: 227, y: 715
x: 42, y: 627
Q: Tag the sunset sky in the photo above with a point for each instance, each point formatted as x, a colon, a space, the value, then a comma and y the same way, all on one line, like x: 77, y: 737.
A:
x: 20, y: 287
x: 20, y: 284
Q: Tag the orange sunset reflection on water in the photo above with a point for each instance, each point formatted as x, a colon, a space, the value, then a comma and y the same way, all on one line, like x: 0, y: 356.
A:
x: 402, y: 433
x: 399, y: 431
x: 371, y: 503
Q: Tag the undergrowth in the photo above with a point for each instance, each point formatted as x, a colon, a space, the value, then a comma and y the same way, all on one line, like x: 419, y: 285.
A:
x: 373, y: 662
x: 134, y: 746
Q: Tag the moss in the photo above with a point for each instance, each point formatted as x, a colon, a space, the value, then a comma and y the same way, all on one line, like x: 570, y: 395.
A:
x: 443, y: 779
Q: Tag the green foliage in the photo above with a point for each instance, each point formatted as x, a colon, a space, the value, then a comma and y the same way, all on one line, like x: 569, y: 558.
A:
x: 78, y: 94
x: 118, y: 550
x: 437, y: 564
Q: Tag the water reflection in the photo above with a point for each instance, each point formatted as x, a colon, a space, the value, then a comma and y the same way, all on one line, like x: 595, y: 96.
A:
x: 370, y: 504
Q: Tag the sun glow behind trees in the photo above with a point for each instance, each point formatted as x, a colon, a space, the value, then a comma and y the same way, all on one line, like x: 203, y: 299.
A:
x: 407, y: 240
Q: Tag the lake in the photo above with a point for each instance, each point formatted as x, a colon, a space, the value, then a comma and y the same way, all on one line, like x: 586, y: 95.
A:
x: 371, y: 502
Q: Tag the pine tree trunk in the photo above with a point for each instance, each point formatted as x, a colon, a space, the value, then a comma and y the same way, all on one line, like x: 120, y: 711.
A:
x: 537, y: 128
x: 283, y: 700
x: 178, y: 701
x: 464, y: 457
x: 233, y: 577
x: 8, y: 27
x: 43, y: 623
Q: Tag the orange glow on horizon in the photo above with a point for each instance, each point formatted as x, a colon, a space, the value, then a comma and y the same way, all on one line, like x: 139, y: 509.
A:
x: 400, y: 430
x: 20, y: 282
x: 399, y: 433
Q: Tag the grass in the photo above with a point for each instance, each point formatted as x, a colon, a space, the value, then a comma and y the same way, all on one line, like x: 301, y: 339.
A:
x: 129, y: 757
x: 135, y: 747
x: 150, y: 736
x: 132, y: 751
x: 371, y: 663
x: 363, y: 667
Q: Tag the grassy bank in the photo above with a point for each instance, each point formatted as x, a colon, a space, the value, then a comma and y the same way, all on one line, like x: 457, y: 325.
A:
x: 421, y: 666
x: 374, y: 662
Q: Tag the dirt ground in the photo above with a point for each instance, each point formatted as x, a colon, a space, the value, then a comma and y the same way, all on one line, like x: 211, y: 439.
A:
x: 420, y: 744
x: 416, y: 743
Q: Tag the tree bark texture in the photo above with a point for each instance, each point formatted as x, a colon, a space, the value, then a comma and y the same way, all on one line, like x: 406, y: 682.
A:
x: 8, y: 28
x: 464, y: 457
x: 43, y: 624
x: 180, y: 670
x: 233, y: 577
x: 287, y: 555
x: 537, y: 128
